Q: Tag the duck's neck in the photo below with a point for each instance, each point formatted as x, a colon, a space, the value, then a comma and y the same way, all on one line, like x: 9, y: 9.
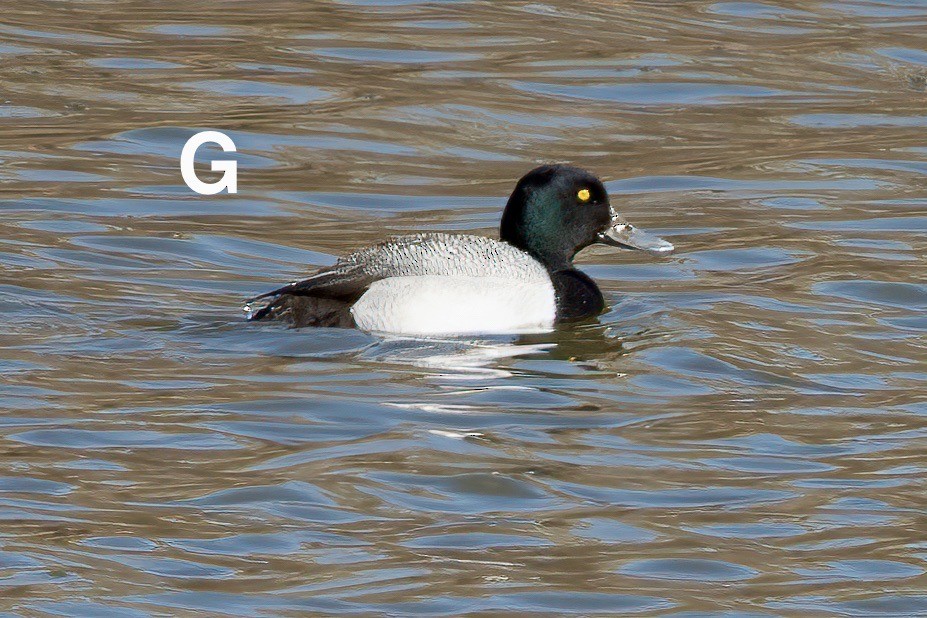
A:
x: 544, y: 250
x: 577, y: 294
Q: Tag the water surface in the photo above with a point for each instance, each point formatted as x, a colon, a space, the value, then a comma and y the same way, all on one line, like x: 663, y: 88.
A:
x: 742, y: 432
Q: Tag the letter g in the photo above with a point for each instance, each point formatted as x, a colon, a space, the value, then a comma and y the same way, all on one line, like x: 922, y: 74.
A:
x: 229, y: 178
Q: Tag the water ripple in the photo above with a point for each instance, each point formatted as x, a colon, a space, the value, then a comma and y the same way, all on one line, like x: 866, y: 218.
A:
x: 747, y: 414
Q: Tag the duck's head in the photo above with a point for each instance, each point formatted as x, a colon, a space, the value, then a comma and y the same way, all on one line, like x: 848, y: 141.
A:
x: 557, y: 210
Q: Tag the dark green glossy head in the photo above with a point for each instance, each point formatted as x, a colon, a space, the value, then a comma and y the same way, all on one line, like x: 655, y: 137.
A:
x: 557, y: 210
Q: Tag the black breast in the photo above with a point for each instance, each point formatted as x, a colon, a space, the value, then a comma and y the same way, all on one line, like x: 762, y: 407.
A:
x: 578, y: 296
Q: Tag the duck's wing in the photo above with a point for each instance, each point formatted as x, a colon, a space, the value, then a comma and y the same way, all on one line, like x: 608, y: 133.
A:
x: 325, y: 298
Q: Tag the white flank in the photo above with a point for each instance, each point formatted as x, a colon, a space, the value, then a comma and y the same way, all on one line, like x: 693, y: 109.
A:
x: 456, y: 305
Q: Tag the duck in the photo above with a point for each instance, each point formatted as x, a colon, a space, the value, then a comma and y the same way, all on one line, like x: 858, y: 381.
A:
x: 438, y: 284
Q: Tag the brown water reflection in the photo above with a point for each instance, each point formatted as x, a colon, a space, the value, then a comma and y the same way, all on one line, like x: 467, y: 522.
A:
x: 744, y: 431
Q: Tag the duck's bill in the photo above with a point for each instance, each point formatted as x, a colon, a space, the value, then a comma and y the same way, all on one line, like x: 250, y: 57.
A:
x: 623, y: 234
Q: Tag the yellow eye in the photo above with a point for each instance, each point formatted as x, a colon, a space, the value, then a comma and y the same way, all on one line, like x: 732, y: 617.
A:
x: 583, y: 195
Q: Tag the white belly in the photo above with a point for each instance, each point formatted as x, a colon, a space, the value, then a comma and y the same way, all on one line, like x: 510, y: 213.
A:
x: 458, y: 305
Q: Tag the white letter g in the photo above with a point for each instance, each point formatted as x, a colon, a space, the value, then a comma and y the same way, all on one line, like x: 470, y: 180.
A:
x: 229, y: 178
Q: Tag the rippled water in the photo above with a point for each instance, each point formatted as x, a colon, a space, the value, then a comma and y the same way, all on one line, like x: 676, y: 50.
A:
x: 743, y: 432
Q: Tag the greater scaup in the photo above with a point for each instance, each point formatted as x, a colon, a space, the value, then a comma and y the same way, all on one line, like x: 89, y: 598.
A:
x: 443, y: 284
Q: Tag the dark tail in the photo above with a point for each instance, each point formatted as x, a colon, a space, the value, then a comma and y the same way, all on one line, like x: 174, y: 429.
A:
x: 262, y: 313
x: 267, y: 310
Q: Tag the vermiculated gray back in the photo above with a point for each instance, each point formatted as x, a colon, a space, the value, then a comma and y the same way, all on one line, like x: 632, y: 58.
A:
x: 441, y: 254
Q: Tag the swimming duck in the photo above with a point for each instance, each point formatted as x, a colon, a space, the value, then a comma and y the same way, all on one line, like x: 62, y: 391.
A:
x: 444, y: 284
